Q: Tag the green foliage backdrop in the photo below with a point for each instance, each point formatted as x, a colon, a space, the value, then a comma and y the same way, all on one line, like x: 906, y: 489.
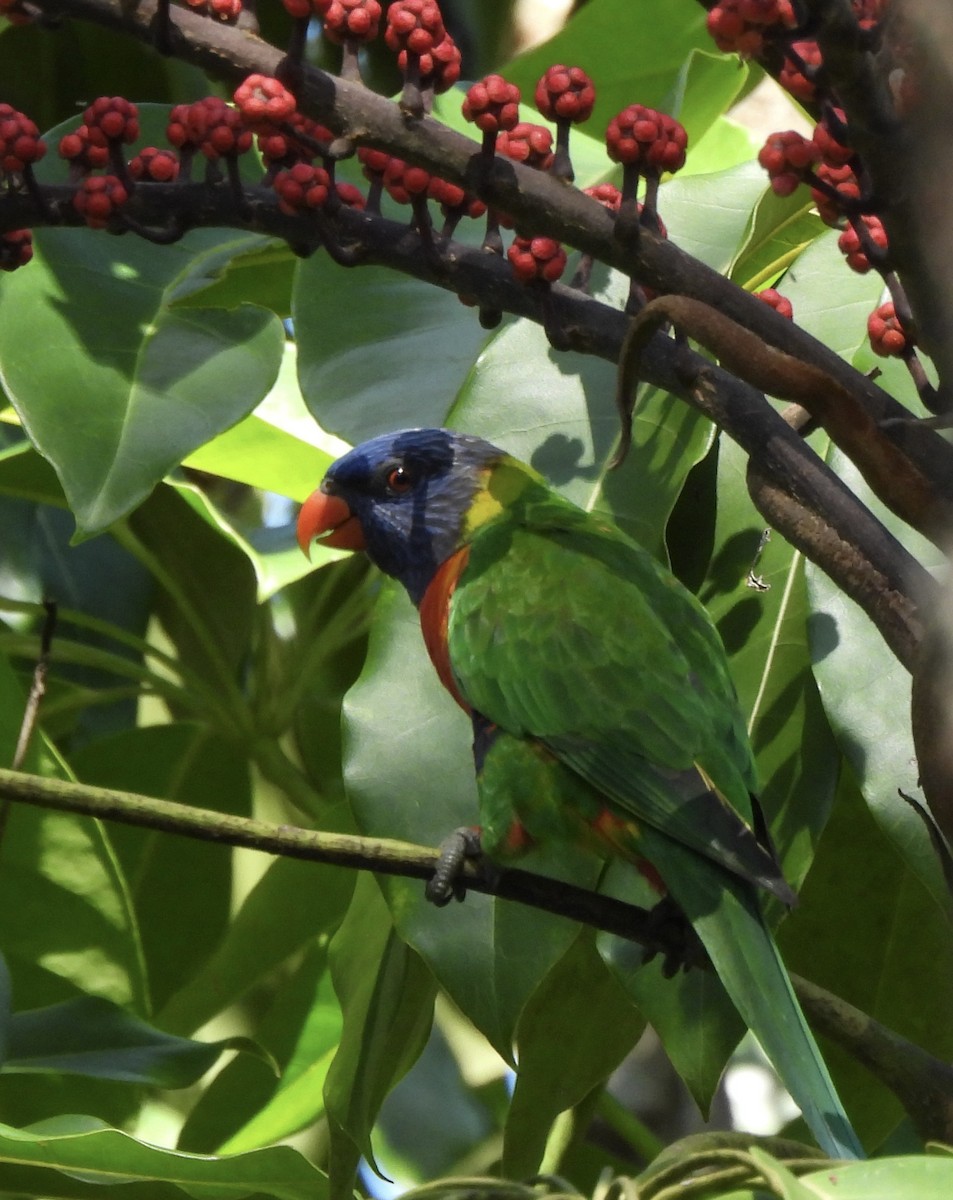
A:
x: 159, y: 397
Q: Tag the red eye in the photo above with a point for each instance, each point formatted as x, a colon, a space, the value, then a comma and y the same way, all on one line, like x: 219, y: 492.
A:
x: 399, y: 480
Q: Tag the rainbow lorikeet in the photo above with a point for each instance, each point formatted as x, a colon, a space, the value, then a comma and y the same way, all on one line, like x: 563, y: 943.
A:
x: 602, y: 704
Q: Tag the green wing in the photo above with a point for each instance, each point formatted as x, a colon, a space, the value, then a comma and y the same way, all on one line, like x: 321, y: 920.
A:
x: 563, y: 630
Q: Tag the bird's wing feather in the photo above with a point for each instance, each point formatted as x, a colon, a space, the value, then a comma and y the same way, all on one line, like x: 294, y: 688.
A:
x: 616, y: 668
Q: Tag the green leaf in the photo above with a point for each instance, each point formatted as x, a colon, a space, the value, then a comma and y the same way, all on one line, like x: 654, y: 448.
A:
x: 92, y: 1037
x: 70, y: 1156
x: 181, y: 887
x: 656, y: 44
x: 781, y: 229
x: 278, y: 448
x: 580, y: 1008
x: 291, y: 903
x: 119, y: 357
x: 867, y: 930
x: 66, y: 920
x: 755, y: 592
x: 386, y: 996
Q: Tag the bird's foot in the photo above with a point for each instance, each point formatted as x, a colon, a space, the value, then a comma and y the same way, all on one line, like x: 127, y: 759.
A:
x: 447, y: 883
x: 669, y: 932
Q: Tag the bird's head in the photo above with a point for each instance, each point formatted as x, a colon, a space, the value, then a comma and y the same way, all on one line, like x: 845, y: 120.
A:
x: 409, y: 499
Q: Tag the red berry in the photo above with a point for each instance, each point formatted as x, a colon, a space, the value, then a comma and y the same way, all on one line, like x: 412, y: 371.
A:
x: 538, y: 258
x: 887, y: 336
x: 453, y: 197
x: 159, y: 166
x: 850, y: 245
x: 302, y: 187
x: 349, y: 195
x: 283, y: 147
x: 565, y: 93
x: 299, y: 9
x: 263, y: 101
x: 779, y: 303
x: 97, y: 199
x: 351, y: 20
x: 492, y: 104
x: 225, y: 10
x: 607, y: 194
x: 646, y: 138
x: 16, y: 249
x: 787, y: 157
x: 527, y: 143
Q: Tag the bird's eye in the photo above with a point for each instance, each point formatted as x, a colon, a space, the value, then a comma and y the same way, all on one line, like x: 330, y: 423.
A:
x: 399, y: 480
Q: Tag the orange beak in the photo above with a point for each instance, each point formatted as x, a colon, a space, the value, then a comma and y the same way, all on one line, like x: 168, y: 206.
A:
x: 330, y: 520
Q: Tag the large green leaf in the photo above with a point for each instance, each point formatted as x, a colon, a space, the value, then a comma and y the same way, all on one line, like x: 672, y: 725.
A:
x: 92, y: 1037
x: 126, y: 384
x: 386, y: 996
x: 580, y: 1008
x: 181, y: 887
x: 73, y: 1157
x: 66, y: 920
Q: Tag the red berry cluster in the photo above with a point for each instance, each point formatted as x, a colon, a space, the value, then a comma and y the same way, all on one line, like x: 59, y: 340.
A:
x: 864, y: 235
x: 154, y: 165
x: 781, y: 305
x: 538, y: 259
x: 788, y: 158
x: 98, y: 198
x: 350, y: 20
x: 226, y: 11
x: 800, y: 69
x: 81, y: 152
x: 264, y: 102
x: 415, y: 26
x: 439, y: 67
x: 492, y: 104
x: 888, y: 338
x: 527, y: 143
x: 846, y: 189
x: 302, y: 187
x: 111, y: 119
x: 741, y: 25
x: 20, y: 142
x: 16, y: 249
x: 646, y: 138
x: 565, y: 93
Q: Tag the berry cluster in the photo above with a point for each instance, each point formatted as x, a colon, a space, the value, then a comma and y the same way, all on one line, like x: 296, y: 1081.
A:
x: 826, y: 162
x: 492, y: 104
x: 888, y: 338
x: 650, y: 140
x: 20, y: 142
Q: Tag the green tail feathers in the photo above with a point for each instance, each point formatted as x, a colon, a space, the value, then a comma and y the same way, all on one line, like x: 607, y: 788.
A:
x: 726, y: 914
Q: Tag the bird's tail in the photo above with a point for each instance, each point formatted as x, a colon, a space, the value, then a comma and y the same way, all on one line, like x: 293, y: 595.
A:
x: 727, y: 916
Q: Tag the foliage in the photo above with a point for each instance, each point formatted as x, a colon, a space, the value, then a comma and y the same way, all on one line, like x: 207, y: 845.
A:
x: 163, y: 405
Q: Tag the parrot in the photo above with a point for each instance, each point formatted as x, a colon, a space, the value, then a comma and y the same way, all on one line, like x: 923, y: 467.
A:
x: 603, y: 709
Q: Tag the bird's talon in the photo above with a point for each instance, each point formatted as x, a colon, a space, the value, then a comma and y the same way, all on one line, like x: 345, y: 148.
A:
x: 447, y: 882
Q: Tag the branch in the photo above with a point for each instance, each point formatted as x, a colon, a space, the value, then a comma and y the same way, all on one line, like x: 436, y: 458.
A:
x: 922, y: 1083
